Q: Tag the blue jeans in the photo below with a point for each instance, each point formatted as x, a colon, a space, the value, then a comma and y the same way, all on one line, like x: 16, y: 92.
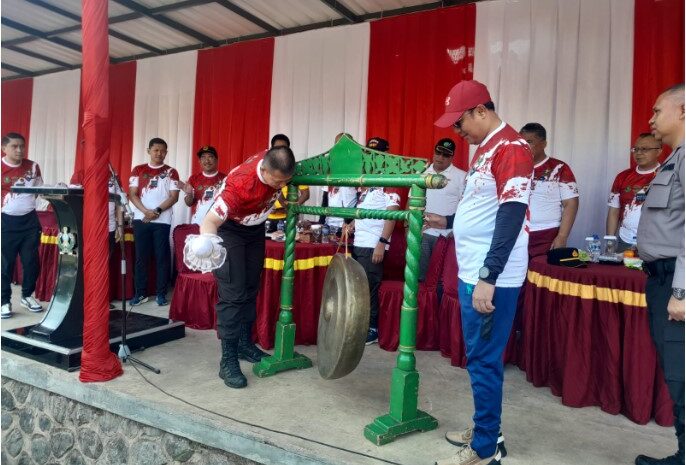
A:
x: 151, y: 238
x: 485, y: 361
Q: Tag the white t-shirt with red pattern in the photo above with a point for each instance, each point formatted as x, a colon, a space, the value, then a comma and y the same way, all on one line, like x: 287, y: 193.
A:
x: 368, y: 231
x: 204, y: 188
x: 154, y: 185
x: 26, y: 174
x: 553, y: 182
x: 501, y: 172
x: 628, y: 194
x: 245, y: 197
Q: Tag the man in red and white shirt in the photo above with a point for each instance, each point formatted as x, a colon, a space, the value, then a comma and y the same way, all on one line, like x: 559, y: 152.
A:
x: 153, y: 191
x: 554, y: 196
x: 238, y: 214
x: 20, y: 226
x: 629, y: 191
x: 491, y: 238
x: 201, y: 187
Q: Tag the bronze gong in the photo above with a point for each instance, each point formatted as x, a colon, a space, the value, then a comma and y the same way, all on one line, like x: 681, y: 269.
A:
x: 343, y: 318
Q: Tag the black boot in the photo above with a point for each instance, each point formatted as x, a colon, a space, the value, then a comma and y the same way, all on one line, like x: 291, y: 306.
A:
x: 671, y: 460
x: 229, y: 368
x: 247, y: 350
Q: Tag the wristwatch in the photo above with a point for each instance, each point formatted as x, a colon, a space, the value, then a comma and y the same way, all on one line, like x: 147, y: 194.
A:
x: 158, y: 210
x: 383, y: 240
x: 678, y: 293
x: 485, y: 275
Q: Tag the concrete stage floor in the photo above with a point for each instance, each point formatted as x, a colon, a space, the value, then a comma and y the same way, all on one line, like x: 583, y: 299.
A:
x: 298, y: 418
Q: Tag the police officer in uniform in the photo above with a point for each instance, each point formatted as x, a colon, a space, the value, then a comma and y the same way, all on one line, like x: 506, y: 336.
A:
x: 661, y: 247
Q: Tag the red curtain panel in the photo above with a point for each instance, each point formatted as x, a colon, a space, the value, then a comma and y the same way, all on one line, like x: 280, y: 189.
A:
x: 414, y: 60
x: 658, y: 56
x: 16, y: 107
x: 232, y: 100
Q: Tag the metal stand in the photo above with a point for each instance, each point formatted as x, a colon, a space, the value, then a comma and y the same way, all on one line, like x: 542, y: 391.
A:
x: 124, y: 352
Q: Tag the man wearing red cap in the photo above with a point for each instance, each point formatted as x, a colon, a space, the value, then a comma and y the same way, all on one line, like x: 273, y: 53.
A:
x: 491, y: 239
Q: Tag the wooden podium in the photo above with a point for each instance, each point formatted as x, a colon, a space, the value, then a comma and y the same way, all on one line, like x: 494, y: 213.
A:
x: 58, y: 339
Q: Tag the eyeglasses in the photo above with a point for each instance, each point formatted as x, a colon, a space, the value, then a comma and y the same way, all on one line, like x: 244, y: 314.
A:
x: 443, y: 154
x: 458, y: 124
x: 643, y: 149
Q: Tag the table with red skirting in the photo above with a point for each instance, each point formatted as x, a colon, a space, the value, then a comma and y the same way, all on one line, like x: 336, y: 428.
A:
x: 586, y: 336
x: 195, y: 294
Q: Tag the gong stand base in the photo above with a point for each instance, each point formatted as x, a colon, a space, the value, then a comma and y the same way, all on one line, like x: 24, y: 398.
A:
x: 386, y: 429
x: 404, y: 417
x: 284, y: 358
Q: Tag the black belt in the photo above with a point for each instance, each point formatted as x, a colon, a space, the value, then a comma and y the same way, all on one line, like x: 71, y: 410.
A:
x: 661, y: 268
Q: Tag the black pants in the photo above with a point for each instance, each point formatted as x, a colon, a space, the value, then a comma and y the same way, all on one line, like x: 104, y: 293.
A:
x: 668, y: 336
x: 20, y: 236
x: 25, y: 244
x: 374, y: 271
x: 151, y: 238
x: 238, y: 280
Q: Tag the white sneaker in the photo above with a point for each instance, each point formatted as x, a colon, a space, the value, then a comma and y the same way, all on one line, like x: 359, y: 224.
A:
x: 467, y: 456
x: 31, y: 304
x: 6, y: 311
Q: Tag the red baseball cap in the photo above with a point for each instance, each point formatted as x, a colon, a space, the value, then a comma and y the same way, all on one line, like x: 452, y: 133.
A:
x: 464, y: 96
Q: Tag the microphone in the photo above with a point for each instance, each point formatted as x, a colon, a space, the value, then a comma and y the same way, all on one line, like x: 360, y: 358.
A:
x: 123, y: 200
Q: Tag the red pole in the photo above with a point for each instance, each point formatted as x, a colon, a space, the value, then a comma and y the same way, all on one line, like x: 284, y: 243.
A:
x: 97, y: 362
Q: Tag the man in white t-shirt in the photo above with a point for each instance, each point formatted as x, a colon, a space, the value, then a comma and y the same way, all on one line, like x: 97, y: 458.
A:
x: 373, y: 238
x: 339, y: 197
x: 20, y: 226
x: 153, y: 191
x: 441, y: 201
x: 491, y: 238
x: 554, y: 195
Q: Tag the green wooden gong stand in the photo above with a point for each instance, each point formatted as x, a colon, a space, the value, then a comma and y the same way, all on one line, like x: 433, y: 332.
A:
x: 350, y: 164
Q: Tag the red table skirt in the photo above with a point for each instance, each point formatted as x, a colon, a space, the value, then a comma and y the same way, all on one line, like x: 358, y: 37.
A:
x: 49, y: 259
x: 195, y: 294
x: 586, y: 336
x: 439, y: 325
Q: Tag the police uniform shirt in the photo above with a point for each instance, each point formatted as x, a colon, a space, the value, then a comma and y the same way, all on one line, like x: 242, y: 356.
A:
x: 661, y: 227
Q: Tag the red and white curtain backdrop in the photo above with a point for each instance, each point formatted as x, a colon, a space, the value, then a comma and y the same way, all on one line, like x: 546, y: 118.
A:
x: 588, y: 70
x: 232, y: 99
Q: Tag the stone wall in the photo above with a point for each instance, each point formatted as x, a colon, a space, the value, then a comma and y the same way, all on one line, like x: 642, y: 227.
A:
x: 40, y: 427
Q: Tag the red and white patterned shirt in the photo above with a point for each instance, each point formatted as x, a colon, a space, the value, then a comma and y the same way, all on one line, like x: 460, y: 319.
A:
x: 501, y: 172
x: 553, y: 182
x: 154, y: 185
x: 26, y: 174
x: 245, y: 198
x: 204, y: 188
x: 628, y: 194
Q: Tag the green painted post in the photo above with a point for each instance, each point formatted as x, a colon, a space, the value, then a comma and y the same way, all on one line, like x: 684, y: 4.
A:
x: 285, y: 357
x: 404, y: 417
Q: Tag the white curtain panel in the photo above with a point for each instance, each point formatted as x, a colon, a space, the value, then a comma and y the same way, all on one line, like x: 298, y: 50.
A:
x: 319, y: 89
x: 165, y: 95
x: 568, y: 65
x: 54, y: 124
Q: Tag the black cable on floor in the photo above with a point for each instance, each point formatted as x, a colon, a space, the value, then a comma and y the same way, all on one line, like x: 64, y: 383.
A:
x: 314, y: 441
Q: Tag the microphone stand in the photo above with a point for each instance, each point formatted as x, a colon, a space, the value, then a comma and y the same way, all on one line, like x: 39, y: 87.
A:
x: 124, y: 352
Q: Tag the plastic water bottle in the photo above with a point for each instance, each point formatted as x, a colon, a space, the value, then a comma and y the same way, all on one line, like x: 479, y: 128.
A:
x: 280, y: 226
x: 325, y: 233
x: 267, y: 226
x: 593, y: 246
